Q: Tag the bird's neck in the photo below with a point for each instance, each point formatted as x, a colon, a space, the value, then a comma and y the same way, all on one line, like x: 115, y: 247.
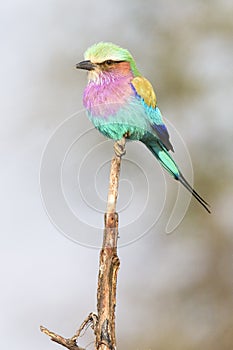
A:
x: 107, y: 91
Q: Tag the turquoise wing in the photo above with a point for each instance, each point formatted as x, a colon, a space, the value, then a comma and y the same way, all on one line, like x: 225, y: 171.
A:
x: 145, y: 92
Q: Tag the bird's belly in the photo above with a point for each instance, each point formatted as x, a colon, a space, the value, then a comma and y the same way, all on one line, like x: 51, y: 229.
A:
x: 116, y: 131
x: 130, y: 120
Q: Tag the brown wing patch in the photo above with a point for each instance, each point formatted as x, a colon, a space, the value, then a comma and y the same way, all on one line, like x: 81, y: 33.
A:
x: 144, y: 89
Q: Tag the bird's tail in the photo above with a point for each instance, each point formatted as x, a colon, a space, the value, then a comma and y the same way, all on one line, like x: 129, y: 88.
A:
x: 169, y: 164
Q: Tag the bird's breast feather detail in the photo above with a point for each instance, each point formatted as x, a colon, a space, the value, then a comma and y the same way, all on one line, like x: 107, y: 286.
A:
x: 144, y: 90
x: 108, y: 96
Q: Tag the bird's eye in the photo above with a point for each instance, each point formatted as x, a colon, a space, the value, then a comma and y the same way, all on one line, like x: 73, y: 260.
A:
x: 109, y: 62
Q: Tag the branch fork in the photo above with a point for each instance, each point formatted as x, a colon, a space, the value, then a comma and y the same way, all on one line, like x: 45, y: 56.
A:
x: 103, y: 323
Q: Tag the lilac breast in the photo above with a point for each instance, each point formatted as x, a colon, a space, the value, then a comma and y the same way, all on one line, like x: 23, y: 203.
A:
x: 108, y: 95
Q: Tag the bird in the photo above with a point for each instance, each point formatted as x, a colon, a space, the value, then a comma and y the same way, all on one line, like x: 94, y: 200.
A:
x: 121, y: 102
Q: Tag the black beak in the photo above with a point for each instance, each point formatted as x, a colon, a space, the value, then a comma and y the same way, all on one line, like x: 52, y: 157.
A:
x: 88, y: 65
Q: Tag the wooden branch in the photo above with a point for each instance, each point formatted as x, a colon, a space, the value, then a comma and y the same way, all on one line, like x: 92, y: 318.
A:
x: 68, y: 343
x: 71, y: 343
x: 103, y: 323
x: 119, y: 148
x: 109, y: 261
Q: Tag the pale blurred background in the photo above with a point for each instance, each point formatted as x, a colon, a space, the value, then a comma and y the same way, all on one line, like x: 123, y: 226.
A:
x: 174, y: 291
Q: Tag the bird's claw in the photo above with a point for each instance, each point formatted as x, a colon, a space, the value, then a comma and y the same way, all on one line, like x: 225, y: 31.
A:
x: 119, y: 147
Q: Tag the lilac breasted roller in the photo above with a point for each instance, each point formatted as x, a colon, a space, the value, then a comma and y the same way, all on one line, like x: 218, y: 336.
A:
x: 120, y: 102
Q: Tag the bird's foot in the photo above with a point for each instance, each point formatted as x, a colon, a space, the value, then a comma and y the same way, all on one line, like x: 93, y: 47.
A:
x: 119, y: 147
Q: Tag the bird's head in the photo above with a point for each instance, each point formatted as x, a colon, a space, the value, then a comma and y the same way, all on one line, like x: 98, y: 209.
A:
x: 104, y: 58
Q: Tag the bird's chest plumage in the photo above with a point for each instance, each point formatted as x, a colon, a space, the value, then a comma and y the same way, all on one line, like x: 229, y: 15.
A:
x: 114, y: 109
x: 106, y: 96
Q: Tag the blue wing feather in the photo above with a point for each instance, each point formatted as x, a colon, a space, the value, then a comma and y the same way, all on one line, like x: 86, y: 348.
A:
x: 156, y: 121
x: 144, y: 92
x: 160, y: 128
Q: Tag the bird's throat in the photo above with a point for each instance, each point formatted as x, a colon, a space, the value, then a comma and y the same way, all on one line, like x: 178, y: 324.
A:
x: 107, y: 92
